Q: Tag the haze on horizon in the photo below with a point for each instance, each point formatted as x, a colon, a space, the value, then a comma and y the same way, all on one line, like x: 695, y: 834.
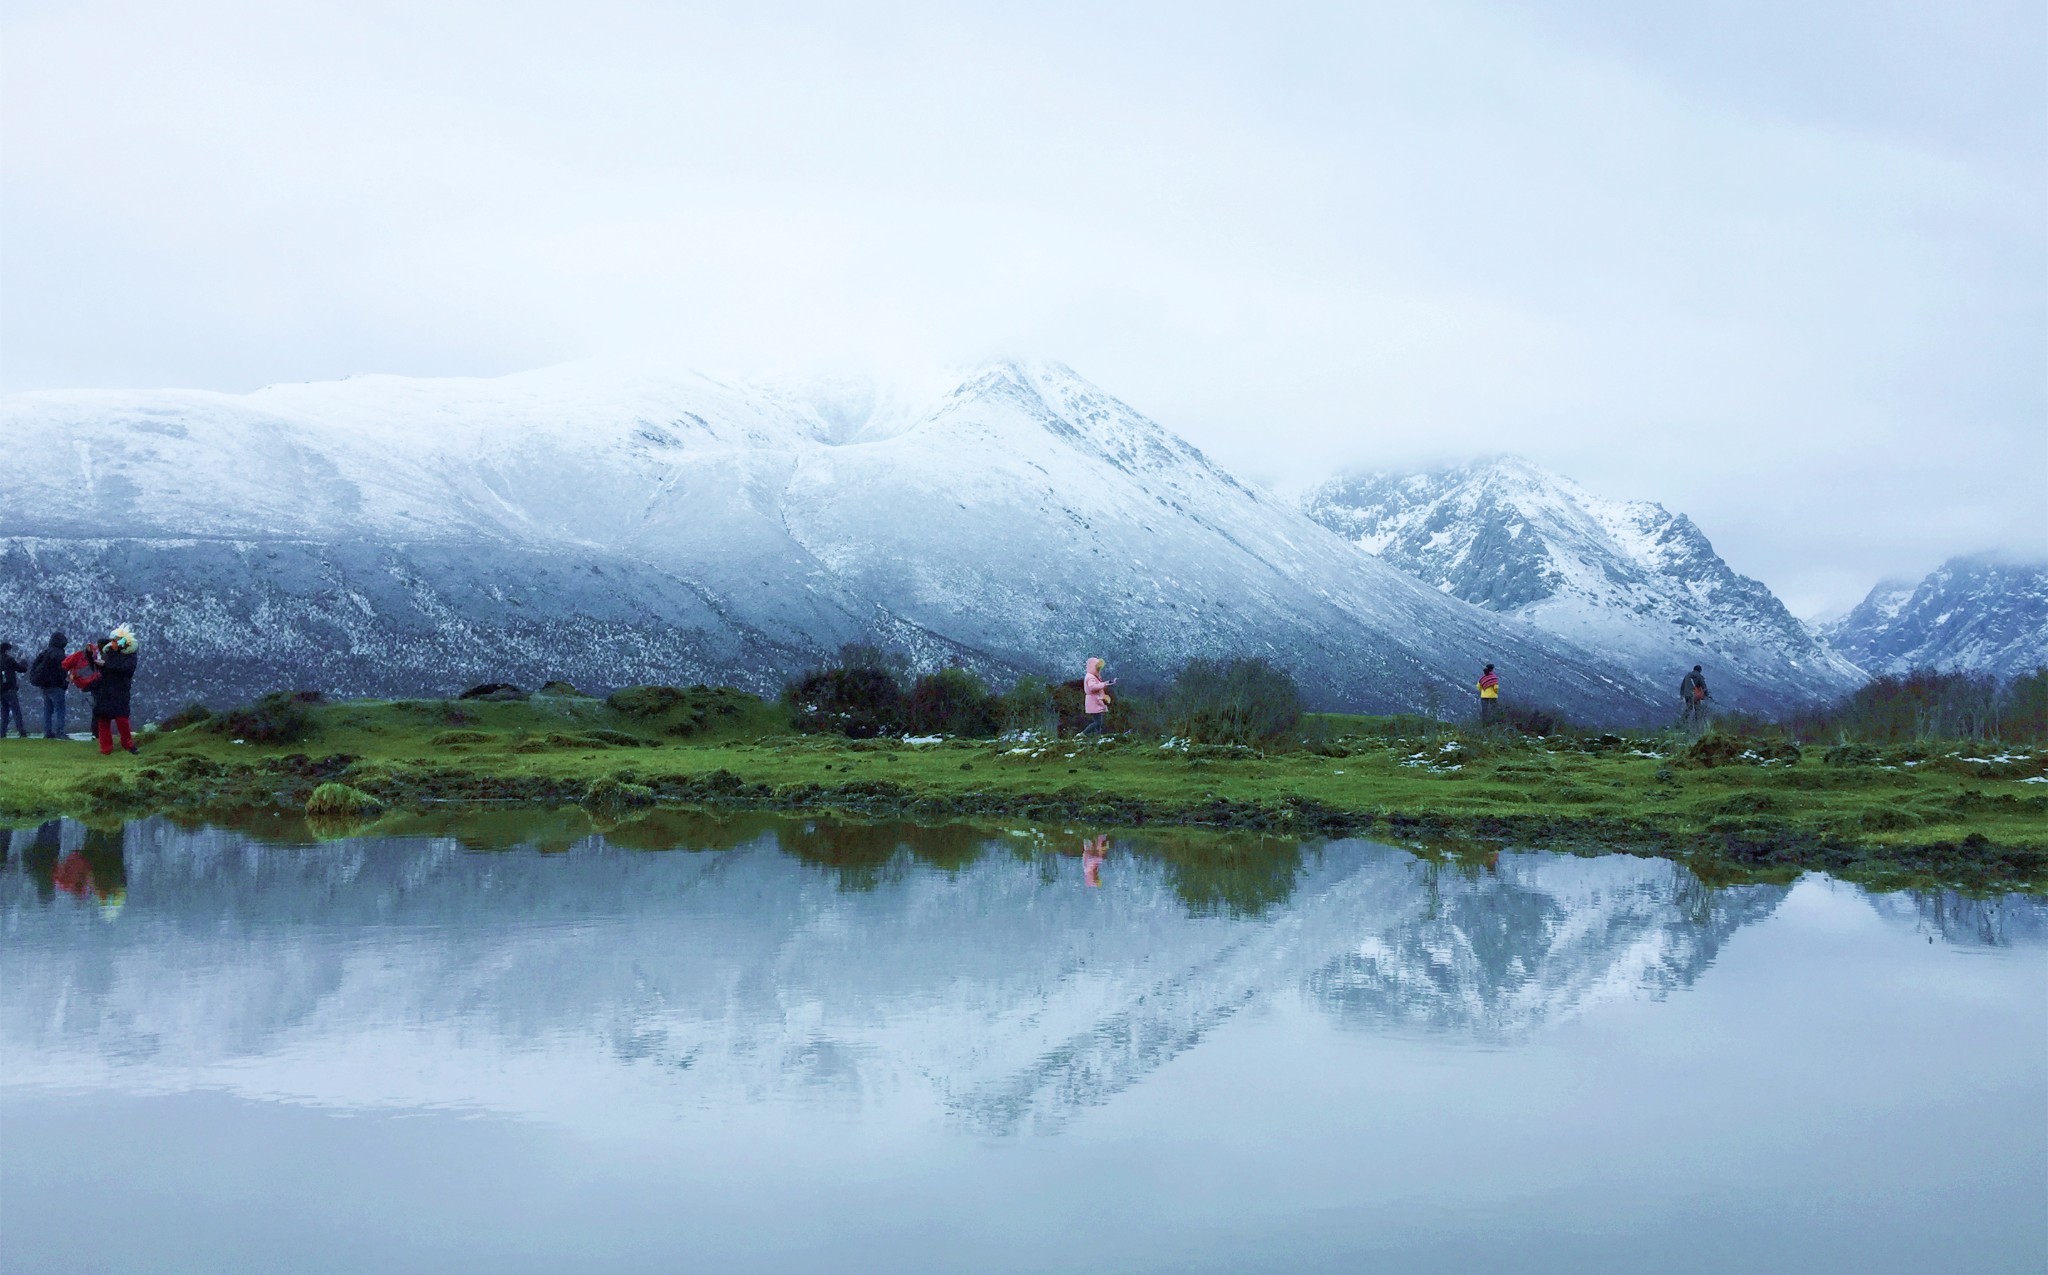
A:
x: 1781, y: 267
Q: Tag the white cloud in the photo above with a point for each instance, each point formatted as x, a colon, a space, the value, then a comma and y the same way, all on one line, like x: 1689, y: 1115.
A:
x: 1708, y: 258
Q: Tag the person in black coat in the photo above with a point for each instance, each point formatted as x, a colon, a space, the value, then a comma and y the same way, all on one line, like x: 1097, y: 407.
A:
x: 1692, y: 697
x: 11, y: 670
x: 110, y: 694
x: 46, y: 673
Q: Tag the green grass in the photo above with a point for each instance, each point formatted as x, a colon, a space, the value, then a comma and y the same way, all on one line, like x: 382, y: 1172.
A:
x: 1888, y: 817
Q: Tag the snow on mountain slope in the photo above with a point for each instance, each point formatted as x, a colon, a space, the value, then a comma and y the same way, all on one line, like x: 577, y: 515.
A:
x: 1973, y: 614
x: 1627, y: 579
x: 611, y: 525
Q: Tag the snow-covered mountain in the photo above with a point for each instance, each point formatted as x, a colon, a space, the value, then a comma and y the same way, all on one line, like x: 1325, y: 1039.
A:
x: 608, y: 526
x: 1975, y: 614
x: 1626, y: 578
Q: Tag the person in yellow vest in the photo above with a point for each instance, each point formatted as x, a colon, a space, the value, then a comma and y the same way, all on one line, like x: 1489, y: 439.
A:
x: 1489, y: 696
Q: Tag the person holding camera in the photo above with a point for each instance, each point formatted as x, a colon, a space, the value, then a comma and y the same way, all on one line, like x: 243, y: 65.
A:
x: 114, y: 660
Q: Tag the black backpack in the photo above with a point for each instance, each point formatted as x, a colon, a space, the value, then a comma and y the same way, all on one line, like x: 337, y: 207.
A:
x: 46, y: 669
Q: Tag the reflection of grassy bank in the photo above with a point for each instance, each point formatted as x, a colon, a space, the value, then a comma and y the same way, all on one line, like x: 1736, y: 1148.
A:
x: 1885, y: 817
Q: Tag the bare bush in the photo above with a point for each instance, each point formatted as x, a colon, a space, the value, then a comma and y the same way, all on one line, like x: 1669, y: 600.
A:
x: 1920, y: 705
x: 1233, y: 701
x: 953, y: 702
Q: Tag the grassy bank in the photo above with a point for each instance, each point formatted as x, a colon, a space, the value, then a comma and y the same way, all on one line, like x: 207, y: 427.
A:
x: 1975, y: 818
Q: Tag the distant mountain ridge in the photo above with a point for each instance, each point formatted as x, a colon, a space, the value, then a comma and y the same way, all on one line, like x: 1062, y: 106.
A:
x: 1974, y: 614
x: 1627, y: 578
x: 608, y: 525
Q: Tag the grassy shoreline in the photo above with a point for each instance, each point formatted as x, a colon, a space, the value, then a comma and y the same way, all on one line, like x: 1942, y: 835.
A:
x: 1975, y: 820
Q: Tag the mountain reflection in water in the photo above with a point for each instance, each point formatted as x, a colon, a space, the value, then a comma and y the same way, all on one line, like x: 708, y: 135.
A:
x: 972, y: 969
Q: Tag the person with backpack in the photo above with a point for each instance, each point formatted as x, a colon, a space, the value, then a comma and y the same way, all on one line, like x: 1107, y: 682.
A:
x: 114, y: 660
x: 1692, y: 697
x: 1489, y: 696
x: 46, y: 673
x: 10, y: 691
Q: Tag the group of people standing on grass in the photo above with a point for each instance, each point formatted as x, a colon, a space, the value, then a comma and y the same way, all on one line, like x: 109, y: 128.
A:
x: 103, y: 669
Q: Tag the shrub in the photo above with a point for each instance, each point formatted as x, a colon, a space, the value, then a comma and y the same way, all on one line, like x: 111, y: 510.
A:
x: 2024, y: 710
x: 952, y: 702
x: 1531, y: 719
x: 1233, y: 701
x: 1405, y: 726
x: 190, y: 715
x: 1920, y: 705
x: 1318, y: 736
x: 1028, y: 706
x: 858, y: 702
x: 680, y: 711
x: 1068, y: 698
x: 1852, y: 755
x: 1744, y: 725
x: 646, y: 701
x: 280, y: 717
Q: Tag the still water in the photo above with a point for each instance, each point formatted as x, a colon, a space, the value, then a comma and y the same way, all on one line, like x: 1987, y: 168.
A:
x: 508, y: 1045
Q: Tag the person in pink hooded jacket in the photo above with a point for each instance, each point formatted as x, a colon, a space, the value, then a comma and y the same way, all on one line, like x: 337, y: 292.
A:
x: 1095, y: 697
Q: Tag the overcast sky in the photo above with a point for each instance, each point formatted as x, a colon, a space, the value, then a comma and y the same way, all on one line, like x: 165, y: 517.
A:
x: 1781, y: 264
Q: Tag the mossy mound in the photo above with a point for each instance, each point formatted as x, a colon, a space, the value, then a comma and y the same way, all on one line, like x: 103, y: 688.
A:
x: 281, y: 717
x: 682, y: 711
x: 610, y: 795
x: 190, y: 715
x: 495, y: 692
x: 1716, y: 749
x: 338, y: 800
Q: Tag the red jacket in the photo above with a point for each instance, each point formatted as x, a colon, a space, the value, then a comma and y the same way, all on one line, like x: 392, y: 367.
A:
x: 79, y: 665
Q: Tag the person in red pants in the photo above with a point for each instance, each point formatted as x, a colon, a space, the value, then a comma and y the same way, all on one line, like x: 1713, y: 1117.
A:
x: 116, y: 661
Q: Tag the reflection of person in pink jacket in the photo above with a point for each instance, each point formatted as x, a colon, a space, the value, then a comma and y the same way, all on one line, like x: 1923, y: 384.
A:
x: 1095, y: 697
x: 1092, y: 855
